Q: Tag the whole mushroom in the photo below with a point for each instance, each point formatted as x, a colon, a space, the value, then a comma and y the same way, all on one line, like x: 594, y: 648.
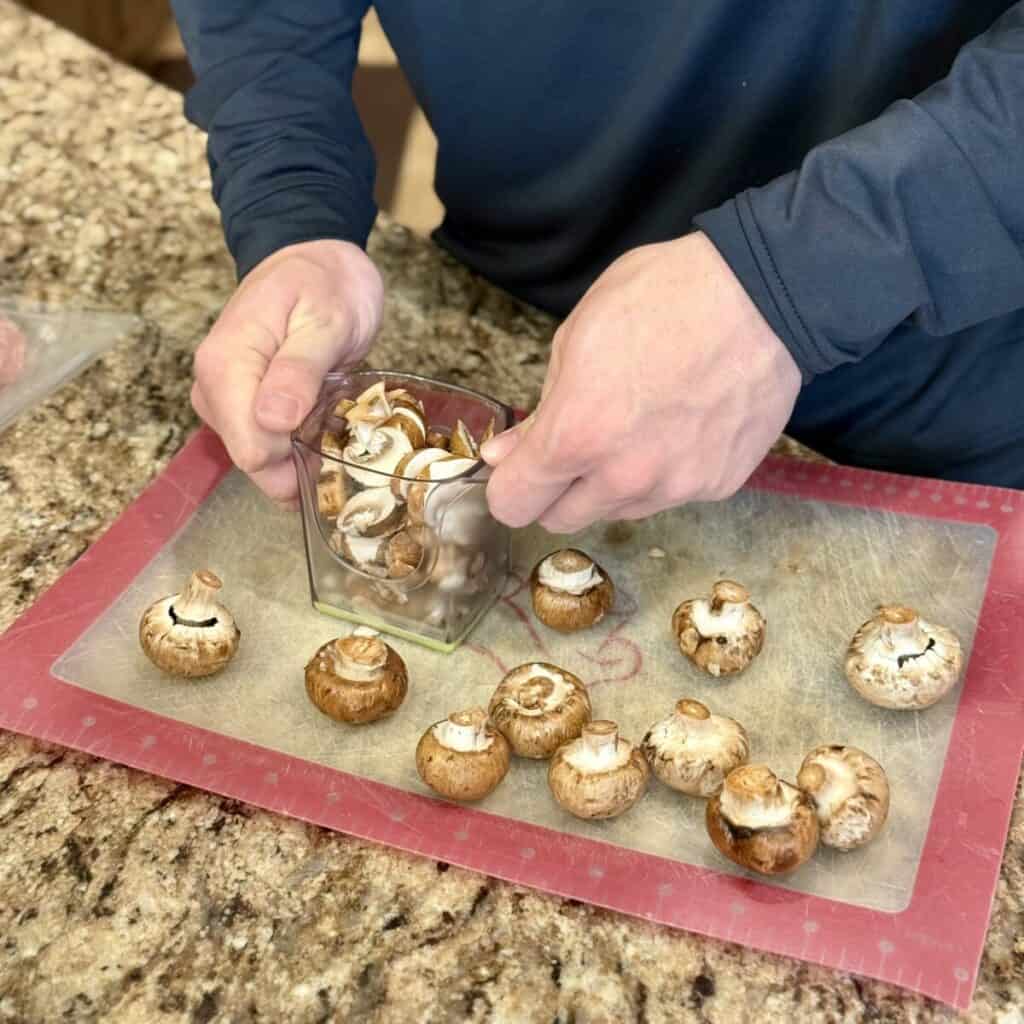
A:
x: 463, y: 757
x: 570, y: 591
x: 693, y: 750
x: 538, y: 707
x: 721, y: 635
x: 356, y: 678
x: 898, y: 660
x: 850, y: 792
x: 762, y: 823
x: 599, y: 775
x: 190, y: 634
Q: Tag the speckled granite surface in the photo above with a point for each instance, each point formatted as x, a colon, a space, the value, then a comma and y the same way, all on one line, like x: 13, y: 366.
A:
x: 127, y: 898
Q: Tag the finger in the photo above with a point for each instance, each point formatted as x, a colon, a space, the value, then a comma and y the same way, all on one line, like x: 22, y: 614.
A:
x: 278, y: 482
x: 585, y: 502
x: 314, y: 344
x: 501, y: 447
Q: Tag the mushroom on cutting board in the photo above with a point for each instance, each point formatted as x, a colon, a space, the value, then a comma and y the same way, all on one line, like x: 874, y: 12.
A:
x: 898, y: 660
x: 463, y: 757
x: 762, y: 823
x: 190, y: 634
x: 693, y: 750
x: 356, y: 678
x: 538, y: 707
x: 570, y: 591
x: 599, y: 775
x: 722, y: 634
x: 850, y: 792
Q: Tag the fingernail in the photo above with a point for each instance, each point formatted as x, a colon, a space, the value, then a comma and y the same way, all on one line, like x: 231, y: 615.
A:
x: 279, y: 411
x: 498, y: 447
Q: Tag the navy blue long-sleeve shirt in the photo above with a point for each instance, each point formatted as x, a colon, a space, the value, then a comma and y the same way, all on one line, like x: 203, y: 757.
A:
x: 859, y: 163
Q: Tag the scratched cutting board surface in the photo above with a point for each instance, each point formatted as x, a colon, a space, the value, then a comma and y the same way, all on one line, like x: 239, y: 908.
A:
x: 815, y: 569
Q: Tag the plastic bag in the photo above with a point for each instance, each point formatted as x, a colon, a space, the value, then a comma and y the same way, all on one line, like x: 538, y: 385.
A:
x: 42, y: 347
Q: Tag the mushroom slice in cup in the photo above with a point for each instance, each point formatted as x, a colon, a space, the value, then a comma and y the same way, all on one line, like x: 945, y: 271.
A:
x: 410, y: 466
x: 723, y: 634
x: 898, y: 660
x: 410, y: 422
x: 402, y: 398
x: 463, y: 757
x: 570, y: 591
x: 374, y: 512
x: 693, y: 750
x: 850, y: 791
x: 356, y: 679
x: 599, y: 775
x: 190, y: 634
x: 330, y: 493
x: 463, y: 443
x: 424, y: 505
x: 373, y: 451
x: 539, y: 707
x: 762, y: 823
x: 437, y: 438
x: 403, y: 554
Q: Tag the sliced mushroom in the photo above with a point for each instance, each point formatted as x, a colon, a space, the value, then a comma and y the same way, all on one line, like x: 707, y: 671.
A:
x: 374, y: 512
x: 330, y: 494
x: 539, y: 707
x: 762, y: 823
x: 403, y: 554
x: 373, y: 451
x: 850, y: 792
x: 570, y: 591
x: 693, y: 750
x: 426, y: 500
x: 463, y: 443
x: 898, y: 660
x: 367, y: 554
x: 342, y: 408
x: 599, y: 775
x: 410, y: 466
x: 488, y: 432
x: 438, y: 438
x: 721, y: 635
x: 410, y: 422
x: 190, y: 634
x: 463, y: 757
x: 356, y: 679
x: 400, y: 398
x: 332, y: 444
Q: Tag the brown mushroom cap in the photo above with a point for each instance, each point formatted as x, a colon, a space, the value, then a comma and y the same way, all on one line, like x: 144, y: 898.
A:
x: 898, y: 660
x: 410, y: 421
x: 356, y: 679
x: 438, y: 439
x: 762, y: 823
x: 599, y: 775
x: 463, y: 757
x: 692, y: 750
x: 723, y: 634
x: 538, y: 707
x: 850, y: 792
x: 190, y: 634
x: 330, y: 493
x: 570, y: 591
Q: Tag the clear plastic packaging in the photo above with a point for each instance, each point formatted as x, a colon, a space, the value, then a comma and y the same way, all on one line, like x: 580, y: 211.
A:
x: 42, y: 347
x: 419, y: 557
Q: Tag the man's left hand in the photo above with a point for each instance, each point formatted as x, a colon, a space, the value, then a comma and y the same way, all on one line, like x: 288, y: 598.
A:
x: 666, y: 385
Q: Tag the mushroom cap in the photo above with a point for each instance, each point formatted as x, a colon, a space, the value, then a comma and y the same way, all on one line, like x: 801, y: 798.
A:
x: 723, y: 634
x: 356, y: 679
x: 191, y: 634
x: 538, y: 707
x: 693, y: 750
x: 403, y: 553
x: 599, y: 775
x: 850, y: 792
x: 762, y: 823
x: 463, y: 757
x: 570, y: 591
x: 898, y: 660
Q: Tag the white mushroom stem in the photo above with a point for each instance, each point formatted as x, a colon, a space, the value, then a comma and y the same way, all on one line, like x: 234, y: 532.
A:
x: 359, y: 658
x: 197, y: 604
x: 576, y: 581
x: 901, y: 632
x: 464, y: 731
x: 599, y: 749
x: 544, y: 691
x: 724, y: 612
x: 830, y: 789
x: 762, y: 802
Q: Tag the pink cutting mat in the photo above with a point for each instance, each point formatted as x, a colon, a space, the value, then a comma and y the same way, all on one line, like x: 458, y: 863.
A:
x: 933, y: 945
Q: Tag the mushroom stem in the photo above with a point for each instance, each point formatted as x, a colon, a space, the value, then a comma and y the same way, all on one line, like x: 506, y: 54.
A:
x: 692, y: 709
x: 359, y: 658
x: 902, y: 626
x: 197, y: 604
x: 601, y: 741
x: 727, y: 592
x: 465, y: 730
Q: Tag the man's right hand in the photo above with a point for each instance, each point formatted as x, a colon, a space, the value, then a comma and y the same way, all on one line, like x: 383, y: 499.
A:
x: 304, y: 311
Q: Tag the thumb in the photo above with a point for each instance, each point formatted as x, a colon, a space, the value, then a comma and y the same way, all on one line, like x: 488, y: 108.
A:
x: 314, y: 344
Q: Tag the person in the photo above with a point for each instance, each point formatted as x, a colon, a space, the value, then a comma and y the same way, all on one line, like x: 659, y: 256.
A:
x: 752, y: 217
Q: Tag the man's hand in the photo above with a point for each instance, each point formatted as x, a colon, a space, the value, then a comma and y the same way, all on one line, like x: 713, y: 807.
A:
x: 305, y: 310
x: 666, y: 385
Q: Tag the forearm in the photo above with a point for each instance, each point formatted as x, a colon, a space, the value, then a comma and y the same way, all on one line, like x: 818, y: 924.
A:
x: 919, y: 213
x: 288, y: 156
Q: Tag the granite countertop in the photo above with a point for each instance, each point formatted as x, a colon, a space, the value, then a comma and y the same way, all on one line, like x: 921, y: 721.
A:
x: 125, y: 897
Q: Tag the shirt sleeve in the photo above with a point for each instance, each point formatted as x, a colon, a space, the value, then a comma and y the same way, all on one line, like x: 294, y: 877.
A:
x: 918, y: 214
x: 289, y: 158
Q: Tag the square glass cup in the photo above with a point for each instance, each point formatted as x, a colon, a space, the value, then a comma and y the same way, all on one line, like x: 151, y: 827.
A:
x: 436, y: 560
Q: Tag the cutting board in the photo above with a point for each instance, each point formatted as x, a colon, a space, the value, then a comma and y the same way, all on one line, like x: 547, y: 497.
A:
x: 818, y: 547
